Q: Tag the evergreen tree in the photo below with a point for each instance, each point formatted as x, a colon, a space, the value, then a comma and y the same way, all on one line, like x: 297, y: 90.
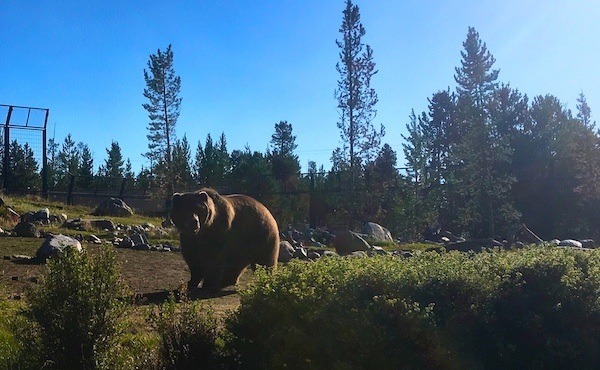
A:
x: 584, y: 112
x: 283, y: 142
x: 162, y: 91
x: 67, y: 162
x: 475, y: 78
x: 251, y: 174
x: 354, y: 94
x: 85, y: 179
x: 128, y: 173
x: 483, y: 183
x: 181, y: 164
x: 113, y: 164
x: 212, y: 163
x: 415, y: 151
x: 23, y: 168
x: 285, y: 164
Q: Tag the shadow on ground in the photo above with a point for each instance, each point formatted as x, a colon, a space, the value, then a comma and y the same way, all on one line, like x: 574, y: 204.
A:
x: 198, y: 294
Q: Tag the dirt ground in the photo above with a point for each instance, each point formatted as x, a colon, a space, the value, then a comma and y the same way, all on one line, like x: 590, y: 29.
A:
x: 150, y: 275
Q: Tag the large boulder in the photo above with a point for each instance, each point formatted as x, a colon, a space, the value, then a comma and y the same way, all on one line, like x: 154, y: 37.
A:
x: 114, y: 207
x: 55, y: 244
x: 26, y: 230
x: 377, y: 232
x: 286, y: 251
x: 347, y: 242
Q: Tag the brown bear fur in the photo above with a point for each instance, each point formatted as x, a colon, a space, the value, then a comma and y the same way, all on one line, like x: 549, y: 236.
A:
x: 222, y: 235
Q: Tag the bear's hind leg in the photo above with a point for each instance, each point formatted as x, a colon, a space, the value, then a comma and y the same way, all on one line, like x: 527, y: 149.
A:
x: 231, y: 275
x: 195, y: 279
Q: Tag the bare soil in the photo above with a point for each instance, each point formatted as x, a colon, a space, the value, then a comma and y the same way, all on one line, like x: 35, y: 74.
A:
x: 150, y: 275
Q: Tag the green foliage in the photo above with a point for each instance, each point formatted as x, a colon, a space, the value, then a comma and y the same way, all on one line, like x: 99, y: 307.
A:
x: 23, y: 168
x: 188, y: 334
x: 78, y: 309
x: 10, y: 347
x: 503, y: 309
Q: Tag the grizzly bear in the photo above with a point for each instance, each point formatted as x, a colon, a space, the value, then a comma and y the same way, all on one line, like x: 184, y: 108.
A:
x: 222, y: 235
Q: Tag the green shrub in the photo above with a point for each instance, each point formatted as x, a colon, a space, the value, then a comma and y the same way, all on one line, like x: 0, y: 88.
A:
x: 188, y: 335
x: 10, y: 348
x: 502, y: 309
x: 78, y: 309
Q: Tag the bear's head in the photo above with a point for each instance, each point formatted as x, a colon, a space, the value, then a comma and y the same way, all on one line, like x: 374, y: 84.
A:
x: 191, y: 212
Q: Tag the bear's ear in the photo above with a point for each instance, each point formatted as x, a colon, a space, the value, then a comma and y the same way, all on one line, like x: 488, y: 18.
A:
x: 203, y: 196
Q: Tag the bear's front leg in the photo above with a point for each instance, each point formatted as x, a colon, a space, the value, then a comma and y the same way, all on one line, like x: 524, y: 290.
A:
x: 212, y: 278
x: 195, y: 279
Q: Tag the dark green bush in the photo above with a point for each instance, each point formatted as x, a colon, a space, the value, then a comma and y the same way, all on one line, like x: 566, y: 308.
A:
x: 78, y: 309
x: 504, y: 309
x: 189, y: 337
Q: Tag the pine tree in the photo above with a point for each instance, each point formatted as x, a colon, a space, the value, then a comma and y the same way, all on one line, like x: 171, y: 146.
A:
x: 181, y: 164
x: 113, y: 164
x: 85, y: 180
x: 475, y: 78
x: 67, y: 162
x: 415, y: 151
x: 354, y: 94
x: 23, y: 168
x: 212, y: 164
x: 162, y: 91
x: 584, y: 112
x: 128, y: 173
x: 285, y: 164
x: 483, y: 183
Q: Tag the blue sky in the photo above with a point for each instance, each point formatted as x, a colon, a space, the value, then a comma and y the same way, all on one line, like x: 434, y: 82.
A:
x: 246, y: 65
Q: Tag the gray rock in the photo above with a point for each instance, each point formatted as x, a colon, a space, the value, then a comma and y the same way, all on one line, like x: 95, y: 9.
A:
x: 554, y: 242
x: 301, y: 253
x: 475, y: 245
x: 329, y: 254
x: 28, y: 216
x: 94, y: 239
x: 377, y: 232
x: 89, y: 224
x: 138, y: 239
x: 314, y: 255
x: 55, y: 244
x: 113, y: 207
x: 403, y: 254
x: 377, y: 251
x: 42, y: 215
x: 126, y: 243
x: 286, y: 251
x: 141, y: 247
x: 588, y: 243
x: 26, y: 230
x: 346, y: 242
x: 358, y: 254
x: 570, y: 243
